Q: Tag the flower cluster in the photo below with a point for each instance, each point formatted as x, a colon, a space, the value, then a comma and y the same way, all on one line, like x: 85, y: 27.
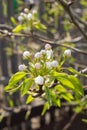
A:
x: 26, y: 15
x: 29, y: 21
x: 42, y: 64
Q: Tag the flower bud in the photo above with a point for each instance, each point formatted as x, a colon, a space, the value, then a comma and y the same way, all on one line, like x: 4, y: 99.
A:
x: 22, y: 67
x: 29, y: 16
x: 49, y: 54
x: 26, y: 10
x: 54, y: 63
x: 43, y: 52
x: 39, y: 80
x: 37, y: 65
x: 21, y: 14
x: 26, y: 54
x: 20, y: 18
x: 67, y: 53
x: 37, y: 55
x: 47, y: 46
x: 48, y: 65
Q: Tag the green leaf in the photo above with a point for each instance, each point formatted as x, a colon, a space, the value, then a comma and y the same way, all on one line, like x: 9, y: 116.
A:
x: 29, y: 99
x: 18, y: 29
x: 56, y: 74
x: 66, y: 82
x: 27, y: 84
x: 84, y: 120
x: 40, y: 26
x: 45, y: 108
x: 17, y: 77
x: 76, y: 72
x: 14, y: 80
x: 60, y: 89
x: 48, y: 94
x: 77, y: 84
x: 58, y: 102
x: 67, y: 96
x: 13, y: 21
x: 8, y: 89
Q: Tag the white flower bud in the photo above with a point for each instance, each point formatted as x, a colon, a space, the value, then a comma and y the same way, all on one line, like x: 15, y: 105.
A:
x: 26, y: 54
x: 21, y: 14
x: 37, y: 65
x: 48, y: 65
x: 30, y: 16
x: 26, y: 10
x: 54, y: 63
x: 38, y: 55
x: 39, y: 80
x: 67, y: 53
x: 22, y: 67
x: 49, y: 54
x: 43, y: 52
x: 47, y: 46
x: 20, y: 18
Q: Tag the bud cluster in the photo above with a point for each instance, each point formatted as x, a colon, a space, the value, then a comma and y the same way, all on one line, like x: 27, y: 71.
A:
x: 42, y: 63
x: 26, y: 15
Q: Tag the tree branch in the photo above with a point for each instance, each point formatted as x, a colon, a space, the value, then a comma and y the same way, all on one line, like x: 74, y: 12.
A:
x: 68, y: 9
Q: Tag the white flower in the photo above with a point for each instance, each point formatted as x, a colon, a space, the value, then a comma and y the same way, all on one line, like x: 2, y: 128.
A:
x: 37, y: 65
x: 26, y: 10
x: 26, y: 54
x: 67, y: 53
x: 20, y: 18
x: 54, y: 63
x: 48, y: 65
x: 49, y: 54
x: 29, y: 16
x: 39, y: 80
x: 22, y: 67
x: 38, y: 55
x: 47, y: 46
x: 43, y: 52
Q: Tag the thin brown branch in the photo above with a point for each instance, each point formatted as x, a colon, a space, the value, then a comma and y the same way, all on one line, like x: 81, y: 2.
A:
x: 70, y: 121
x: 68, y: 9
x: 59, y: 43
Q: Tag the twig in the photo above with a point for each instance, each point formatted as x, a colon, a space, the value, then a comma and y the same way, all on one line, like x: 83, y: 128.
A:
x: 70, y: 121
x: 59, y: 43
x: 68, y: 9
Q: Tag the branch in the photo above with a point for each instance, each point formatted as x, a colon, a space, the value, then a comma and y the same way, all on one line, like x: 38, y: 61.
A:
x: 68, y: 9
x: 59, y: 43
x: 70, y: 121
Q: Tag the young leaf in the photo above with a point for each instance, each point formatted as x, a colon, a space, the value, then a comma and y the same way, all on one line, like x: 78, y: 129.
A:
x: 76, y: 72
x: 58, y: 102
x: 16, y: 78
x: 48, y: 94
x: 67, y: 96
x: 29, y: 99
x: 45, y: 108
x: 66, y: 82
x: 26, y: 85
x: 9, y: 89
x: 76, y: 83
x: 18, y: 29
x: 40, y: 26
x: 60, y: 89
